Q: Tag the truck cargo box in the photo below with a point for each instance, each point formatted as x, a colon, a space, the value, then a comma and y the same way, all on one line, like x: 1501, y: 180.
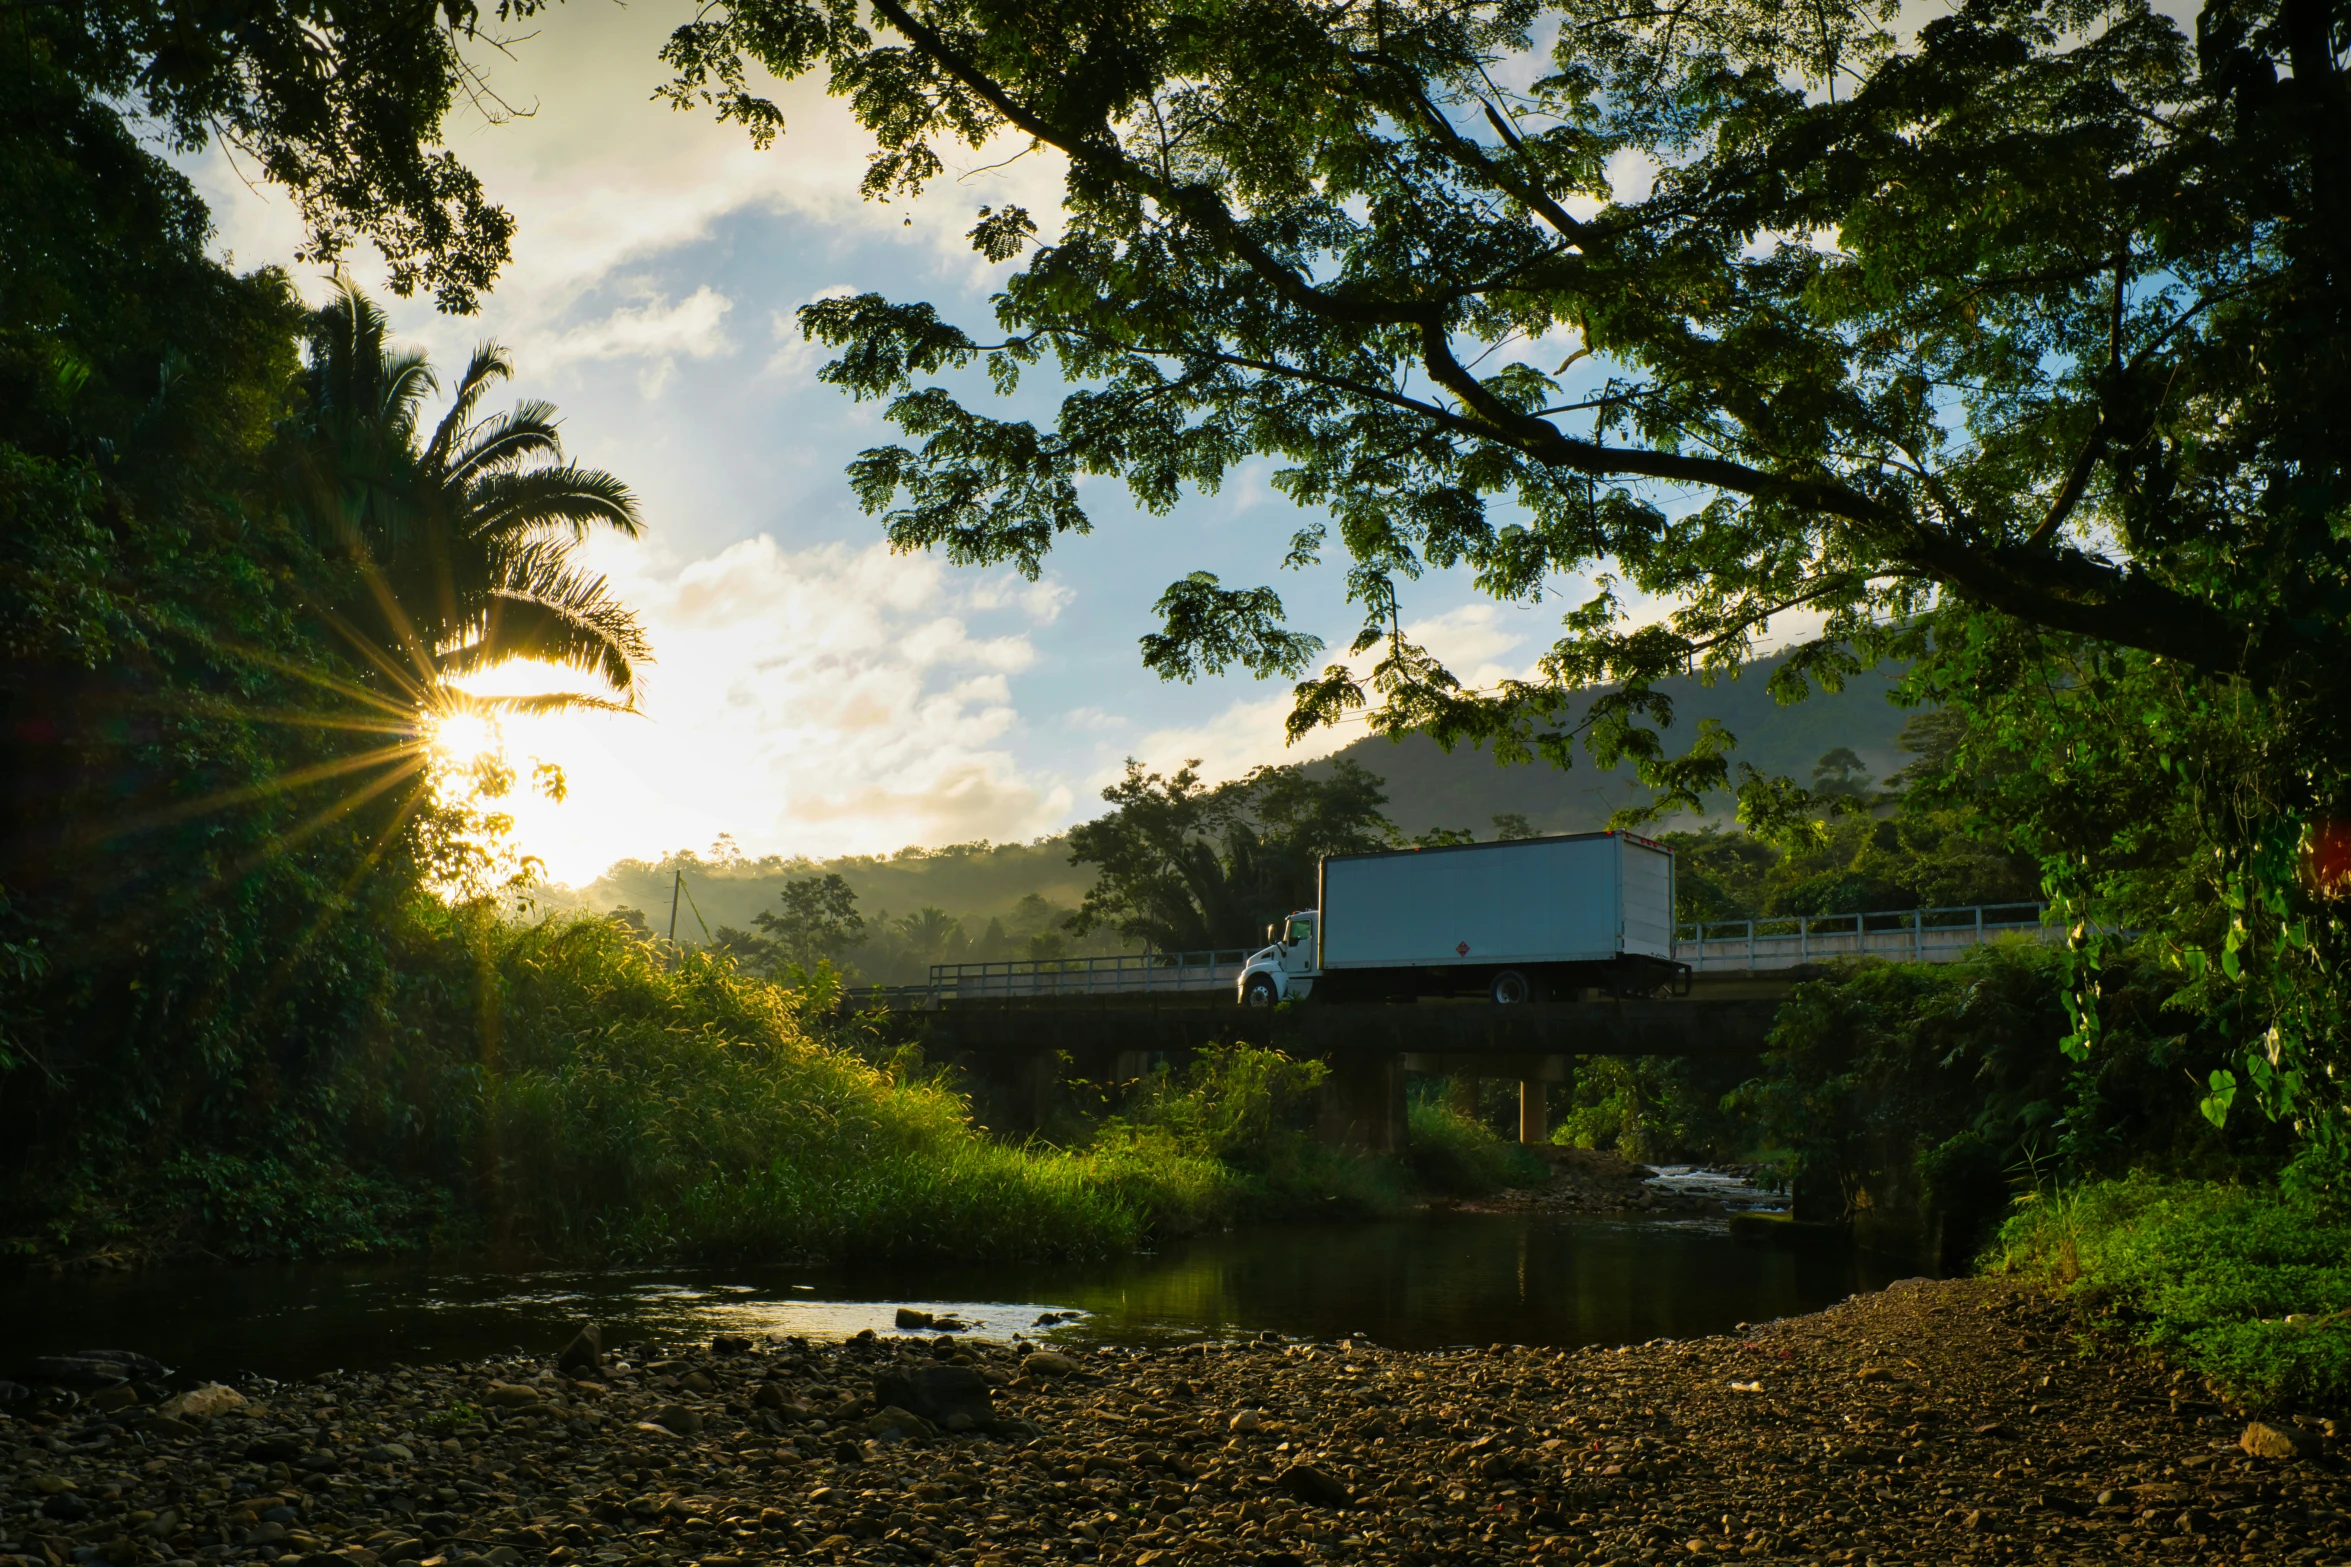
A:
x: 1585, y: 898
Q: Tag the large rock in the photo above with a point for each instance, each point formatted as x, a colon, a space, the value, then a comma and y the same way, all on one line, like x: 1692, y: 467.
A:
x: 1313, y: 1487
x: 511, y: 1395
x: 939, y: 1394
x: 1049, y: 1363
x: 203, y: 1402
x: 2264, y: 1439
x: 895, y: 1421
x: 89, y: 1369
x: 679, y: 1419
x: 584, y: 1355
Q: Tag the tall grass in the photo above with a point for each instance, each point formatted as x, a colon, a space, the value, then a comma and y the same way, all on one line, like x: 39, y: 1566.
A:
x: 2249, y: 1286
x: 1248, y: 1113
x: 1453, y: 1154
x: 640, y: 1104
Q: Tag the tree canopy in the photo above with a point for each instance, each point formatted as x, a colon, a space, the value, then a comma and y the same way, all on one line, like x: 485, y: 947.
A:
x: 340, y: 104
x: 1187, y: 865
x: 2038, y: 308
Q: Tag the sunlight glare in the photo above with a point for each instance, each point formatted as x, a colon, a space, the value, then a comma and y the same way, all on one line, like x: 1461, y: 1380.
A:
x: 462, y: 739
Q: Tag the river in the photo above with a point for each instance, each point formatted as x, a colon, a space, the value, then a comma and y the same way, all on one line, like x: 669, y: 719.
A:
x: 1420, y: 1282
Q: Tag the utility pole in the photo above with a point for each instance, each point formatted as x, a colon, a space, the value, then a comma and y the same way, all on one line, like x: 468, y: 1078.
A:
x: 674, y: 888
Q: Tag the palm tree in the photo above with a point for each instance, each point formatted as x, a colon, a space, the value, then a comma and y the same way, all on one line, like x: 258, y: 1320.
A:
x: 460, y: 545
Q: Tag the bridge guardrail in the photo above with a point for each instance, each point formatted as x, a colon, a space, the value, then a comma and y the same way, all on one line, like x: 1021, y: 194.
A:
x: 1911, y: 935
x: 1125, y: 974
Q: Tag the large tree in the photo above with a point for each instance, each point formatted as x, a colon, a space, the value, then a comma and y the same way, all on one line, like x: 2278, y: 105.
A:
x: 1187, y: 865
x: 339, y: 103
x: 2039, y: 308
x: 2017, y: 340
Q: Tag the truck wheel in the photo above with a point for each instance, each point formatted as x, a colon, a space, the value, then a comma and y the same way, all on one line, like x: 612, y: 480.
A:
x: 1510, y: 988
x: 1259, y: 992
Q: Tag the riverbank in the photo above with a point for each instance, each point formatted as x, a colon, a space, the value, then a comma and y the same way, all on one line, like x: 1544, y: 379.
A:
x: 1930, y: 1422
x: 1601, y: 1181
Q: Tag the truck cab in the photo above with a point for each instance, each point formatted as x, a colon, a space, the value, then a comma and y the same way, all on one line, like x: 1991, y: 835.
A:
x: 1287, y: 967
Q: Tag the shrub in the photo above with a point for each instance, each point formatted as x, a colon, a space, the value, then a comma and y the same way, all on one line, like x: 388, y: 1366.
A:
x: 641, y: 1105
x: 2250, y: 1286
x: 1453, y: 1154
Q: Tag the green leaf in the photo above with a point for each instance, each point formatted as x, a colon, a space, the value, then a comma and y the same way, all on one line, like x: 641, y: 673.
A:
x: 2215, y: 1105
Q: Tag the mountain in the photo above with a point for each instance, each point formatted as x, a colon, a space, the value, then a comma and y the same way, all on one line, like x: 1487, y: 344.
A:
x: 980, y: 883
x: 1429, y: 788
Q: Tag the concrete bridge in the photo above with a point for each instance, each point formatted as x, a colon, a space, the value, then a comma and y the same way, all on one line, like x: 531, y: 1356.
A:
x: 1029, y: 1027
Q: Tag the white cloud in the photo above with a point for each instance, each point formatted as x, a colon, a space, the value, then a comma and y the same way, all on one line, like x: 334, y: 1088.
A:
x: 655, y: 330
x: 1040, y: 602
x: 1235, y: 740
x: 600, y: 177
x: 820, y: 701
x: 1470, y: 640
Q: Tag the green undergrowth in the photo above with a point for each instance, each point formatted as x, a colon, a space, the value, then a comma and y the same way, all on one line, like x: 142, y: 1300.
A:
x: 643, y: 1106
x: 569, y: 1090
x: 1455, y: 1156
x: 2249, y: 1286
x: 1247, y: 1113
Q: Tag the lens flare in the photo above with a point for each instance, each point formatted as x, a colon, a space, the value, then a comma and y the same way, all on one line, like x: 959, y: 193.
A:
x: 2326, y: 858
x: 461, y: 739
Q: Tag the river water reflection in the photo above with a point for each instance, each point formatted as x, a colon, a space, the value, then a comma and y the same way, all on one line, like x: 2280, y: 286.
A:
x: 1435, y: 1279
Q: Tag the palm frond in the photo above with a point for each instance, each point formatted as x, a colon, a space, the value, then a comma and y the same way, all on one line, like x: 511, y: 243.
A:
x: 542, y: 702
x: 503, y: 442
x: 544, y: 608
x: 514, y: 506
x: 407, y: 380
x: 488, y: 366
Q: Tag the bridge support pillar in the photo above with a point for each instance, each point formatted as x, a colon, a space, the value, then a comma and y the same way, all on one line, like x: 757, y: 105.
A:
x: 1363, y: 1103
x: 1534, y: 1118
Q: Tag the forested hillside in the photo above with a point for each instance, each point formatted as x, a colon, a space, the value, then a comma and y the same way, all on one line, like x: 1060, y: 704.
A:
x: 1429, y: 787
x: 985, y: 902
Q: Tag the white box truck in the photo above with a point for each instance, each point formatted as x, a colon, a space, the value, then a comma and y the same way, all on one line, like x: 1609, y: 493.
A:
x: 1528, y: 919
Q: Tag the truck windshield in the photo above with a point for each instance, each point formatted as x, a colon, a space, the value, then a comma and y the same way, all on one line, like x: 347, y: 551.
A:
x: 1300, y: 931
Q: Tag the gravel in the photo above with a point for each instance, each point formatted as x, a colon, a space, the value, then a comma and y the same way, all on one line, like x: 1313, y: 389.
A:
x: 1935, y: 1422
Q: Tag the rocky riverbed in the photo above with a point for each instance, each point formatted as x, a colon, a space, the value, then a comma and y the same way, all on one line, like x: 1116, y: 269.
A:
x: 1603, y: 1182
x: 1936, y: 1422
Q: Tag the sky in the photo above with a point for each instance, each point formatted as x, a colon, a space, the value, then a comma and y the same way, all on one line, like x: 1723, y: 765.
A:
x: 813, y: 693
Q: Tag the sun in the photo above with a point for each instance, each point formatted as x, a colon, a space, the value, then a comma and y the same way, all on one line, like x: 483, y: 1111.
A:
x: 461, y: 739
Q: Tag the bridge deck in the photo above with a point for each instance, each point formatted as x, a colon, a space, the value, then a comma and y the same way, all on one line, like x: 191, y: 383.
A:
x: 1084, y: 1027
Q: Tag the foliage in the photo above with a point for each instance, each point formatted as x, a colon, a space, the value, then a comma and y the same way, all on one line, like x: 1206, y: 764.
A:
x: 2015, y: 340
x: 636, y: 1102
x: 1451, y: 1153
x: 1229, y: 1103
x: 2034, y: 309
x: 340, y: 104
x: 2181, y: 806
x: 1927, y: 1089
x: 219, y: 831
x: 994, y: 901
x: 1249, y: 1113
x: 2247, y: 1285
x: 206, y: 830
x: 459, y: 544
x: 818, y: 923
x: 1185, y: 865
x: 1652, y: 1109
